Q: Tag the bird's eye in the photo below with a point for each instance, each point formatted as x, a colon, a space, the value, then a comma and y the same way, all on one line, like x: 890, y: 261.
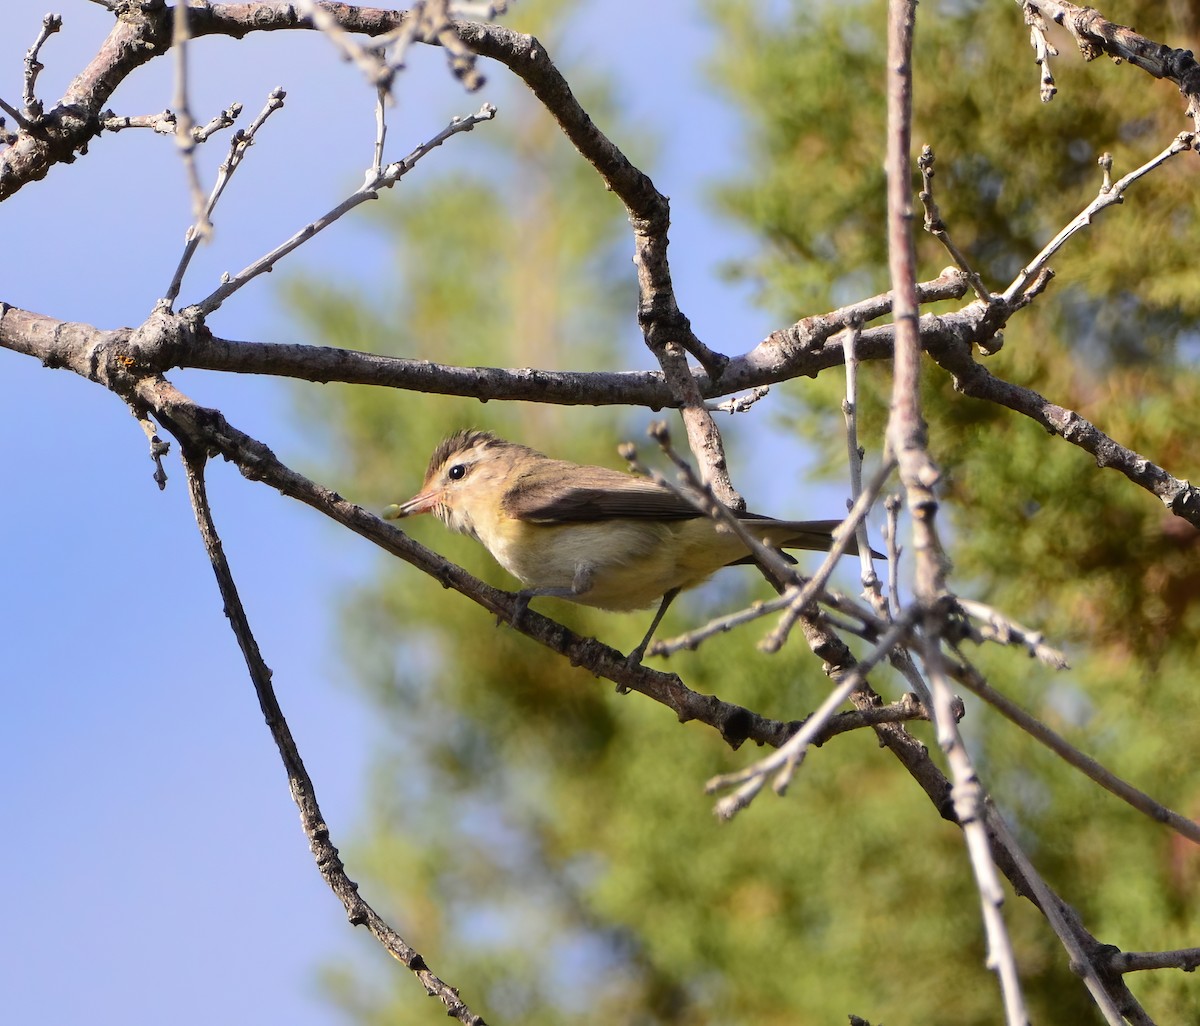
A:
x: 456, y: 472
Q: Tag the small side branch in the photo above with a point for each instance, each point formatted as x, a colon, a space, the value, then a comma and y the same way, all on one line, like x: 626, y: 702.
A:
x: 368, y: 191
x: 967, y: 675
x: 51, y: 23
x: 328, y: 860
x: 223, y: 120
x: 785, y: 760
x: 995, y: 626
x: 1187, y: 959
x: 185, y: 126
x: 1042, y: 49
x: 158, y: 448
x: 937, y: 227
x: 739, y: 403
x: 1063, y: 921
x: 164, y: 123
x: 238, y: 145
x: 1179, y: 495
x: 1109, y: 194
x: 906, y: 440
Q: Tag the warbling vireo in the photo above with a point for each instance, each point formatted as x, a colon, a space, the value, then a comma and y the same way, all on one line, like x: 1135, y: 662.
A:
x: 591, y: 535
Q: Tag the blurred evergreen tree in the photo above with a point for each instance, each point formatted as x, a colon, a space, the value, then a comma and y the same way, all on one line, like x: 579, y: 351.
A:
x: 543, y: 841
x: 1035, y: 527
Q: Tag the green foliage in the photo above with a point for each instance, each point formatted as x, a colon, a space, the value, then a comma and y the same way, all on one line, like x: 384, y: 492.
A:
x: 543, y: 840
x: 1035, y: 527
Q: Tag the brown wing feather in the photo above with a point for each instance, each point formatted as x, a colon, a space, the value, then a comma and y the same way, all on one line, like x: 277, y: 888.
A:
x: 603, y: 494
x: 610, y: 495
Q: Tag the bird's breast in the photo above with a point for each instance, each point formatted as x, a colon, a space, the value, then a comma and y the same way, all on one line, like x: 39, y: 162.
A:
x: 630, y: 563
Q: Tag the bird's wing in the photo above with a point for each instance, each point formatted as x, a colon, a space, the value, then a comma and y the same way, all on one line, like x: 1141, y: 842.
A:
x: 610, y: 495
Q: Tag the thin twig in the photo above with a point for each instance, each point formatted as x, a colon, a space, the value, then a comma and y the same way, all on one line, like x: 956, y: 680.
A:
x: 868, y: 625
x: 937, y: 227
x: 1043, y: 50
x: 749, y: 781
x: 1053, y: 909
x: 907, y: 442
x: 369, y: 190
x: 891, y: 506
x: 723, y: 624
x: 1109, y: 194
x: 164, y: 123
x: 971, y: 378
x: 691, y: 640
x: 368, y: 59
x: 303, y: 792
x: 238, y: 146
x: 854, y: 451
x: 995, y: 626
x: 51, y: 23
x: 970, y: 677
x: 158, y: 448
x: 381, y: 101
x: 185, y: 125
x: 22, y: 122
x: 969, y: 801
x: 223, y: 120
x: 739, y: 403
x: 843, y: 535
x: 1187, y: 959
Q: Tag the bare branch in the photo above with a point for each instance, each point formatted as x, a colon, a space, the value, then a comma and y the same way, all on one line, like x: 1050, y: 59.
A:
x: 967, y: 675
x: 185, y: 125
x: 1043, y: 50
x: 739, y: 403
x: 1181, y: 497
x: 1110, y: 193
x: 891, y: 506
x: 369, y: 190
x: 995, y: 626
x: 854, y: 451
x: 787, y: 758
x: 223, y: 120
x: 907, y: 443
x: 1187, y: 959
x: 804, y: 349
x: 368, y: 60
x: 1096, y: 35
x: 163, y: 123
x: 238, y: 146
x: 937, y: 227
x: 304, y: 794
x: 1061, y: 918
x: 158, y: 448
x: 51, y: 23
x: 15, y: 114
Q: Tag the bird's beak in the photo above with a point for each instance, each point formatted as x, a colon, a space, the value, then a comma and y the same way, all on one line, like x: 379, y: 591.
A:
x: 425, y: 502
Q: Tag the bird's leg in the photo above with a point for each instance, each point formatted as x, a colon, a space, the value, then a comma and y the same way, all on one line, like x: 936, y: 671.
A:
x: 635, y: 657
x: 580, y: 585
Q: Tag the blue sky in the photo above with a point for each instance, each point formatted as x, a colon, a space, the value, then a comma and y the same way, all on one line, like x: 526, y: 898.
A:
x: 155, y: 868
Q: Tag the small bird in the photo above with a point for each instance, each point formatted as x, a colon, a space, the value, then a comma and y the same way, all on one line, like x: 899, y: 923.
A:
x: 591, y: 535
